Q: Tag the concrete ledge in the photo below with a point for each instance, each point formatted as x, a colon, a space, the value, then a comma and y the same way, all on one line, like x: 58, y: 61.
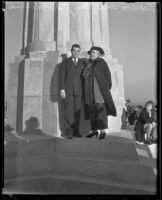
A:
x: 33, y: 147
x: 57, y: 184
x: 124, y: 172
x: 77, y: 162
x: 110, y: 149
x: 74, y: 165
x: 27, y: 166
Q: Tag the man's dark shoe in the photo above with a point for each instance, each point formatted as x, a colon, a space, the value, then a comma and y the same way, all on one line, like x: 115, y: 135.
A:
x: 69, y: 137
x: 77, y: 135
x: 69, y: 134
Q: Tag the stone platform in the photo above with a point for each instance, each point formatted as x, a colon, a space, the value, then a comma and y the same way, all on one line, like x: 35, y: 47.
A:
x: 45, y: 164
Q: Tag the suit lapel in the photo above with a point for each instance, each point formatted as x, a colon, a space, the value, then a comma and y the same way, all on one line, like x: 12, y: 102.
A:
x: 72, y: 63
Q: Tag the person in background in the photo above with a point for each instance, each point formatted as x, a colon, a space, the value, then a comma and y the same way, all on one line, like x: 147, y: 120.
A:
x: 97, y: 96
x: 145, y: 124
x: 134, y: 115
x: 131, y: 115
x: 154, y: 131
x: 128, y: 109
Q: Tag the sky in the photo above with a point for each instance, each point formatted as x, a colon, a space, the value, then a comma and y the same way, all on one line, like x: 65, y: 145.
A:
x: 132, y: 32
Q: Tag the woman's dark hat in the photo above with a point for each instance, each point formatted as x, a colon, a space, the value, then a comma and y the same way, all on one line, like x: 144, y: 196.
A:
x: 97, y: 49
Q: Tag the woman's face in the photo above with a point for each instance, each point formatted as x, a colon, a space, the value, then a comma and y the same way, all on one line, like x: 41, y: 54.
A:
x: 94, y: 54
x: 149, y: 107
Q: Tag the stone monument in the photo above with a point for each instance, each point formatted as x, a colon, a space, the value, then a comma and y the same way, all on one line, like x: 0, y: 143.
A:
x: 49, y: 30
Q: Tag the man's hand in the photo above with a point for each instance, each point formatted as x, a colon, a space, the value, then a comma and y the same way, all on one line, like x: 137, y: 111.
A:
x: 62, y: 94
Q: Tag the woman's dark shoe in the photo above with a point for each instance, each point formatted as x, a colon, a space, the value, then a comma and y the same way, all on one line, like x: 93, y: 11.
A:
x: 94, y: 133
x: 102, y: 135
x: 69, y: 137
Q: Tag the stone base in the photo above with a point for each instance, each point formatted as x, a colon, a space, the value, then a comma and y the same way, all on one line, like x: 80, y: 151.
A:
x: 11, y: 113
x: 34, y: 83
x: 39, y: 87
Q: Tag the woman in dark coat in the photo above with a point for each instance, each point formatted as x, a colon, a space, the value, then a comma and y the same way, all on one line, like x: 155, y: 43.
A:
x: 98, y: 99
x: 145, y: 124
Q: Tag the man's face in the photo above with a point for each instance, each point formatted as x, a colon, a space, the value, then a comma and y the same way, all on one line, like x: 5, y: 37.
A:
x: 75, y: 52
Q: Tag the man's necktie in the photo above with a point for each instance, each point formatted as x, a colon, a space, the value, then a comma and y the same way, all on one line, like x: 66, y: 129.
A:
x: 75, y: 61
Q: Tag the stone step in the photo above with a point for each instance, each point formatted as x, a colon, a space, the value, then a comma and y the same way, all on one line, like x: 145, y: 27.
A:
x: 31, y: 165
x: 57, y: 184
x: 113, y: 159
x: 112, y: 147
x: 37, y: 146
x: 114, y: 170
x: 71, y: 164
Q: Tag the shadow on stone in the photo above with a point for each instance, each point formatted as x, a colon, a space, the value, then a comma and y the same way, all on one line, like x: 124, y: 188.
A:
x: 8, y: 128
x: 32, y: 127
x: 55, y: 95
x: 11, y: 135
x: 20, y: 93
x: 54, y: 86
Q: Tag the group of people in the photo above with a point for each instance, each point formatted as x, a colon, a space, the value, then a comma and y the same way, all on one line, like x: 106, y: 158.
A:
x: 144, y: 121
x: 146, y: 124
x: 86, y: 81
x: 132, y: 112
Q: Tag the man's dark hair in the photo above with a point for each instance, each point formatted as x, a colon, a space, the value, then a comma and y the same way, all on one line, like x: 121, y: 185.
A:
x: 128, y: 101
x: 76, y: 46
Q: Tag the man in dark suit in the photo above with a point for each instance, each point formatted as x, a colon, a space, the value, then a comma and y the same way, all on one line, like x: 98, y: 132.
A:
x: 71, y: 90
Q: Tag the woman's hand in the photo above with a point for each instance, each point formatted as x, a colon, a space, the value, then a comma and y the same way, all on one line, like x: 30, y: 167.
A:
x: 149, y: 113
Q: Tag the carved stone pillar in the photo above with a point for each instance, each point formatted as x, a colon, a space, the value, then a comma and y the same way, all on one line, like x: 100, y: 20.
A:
x: 41, y: 27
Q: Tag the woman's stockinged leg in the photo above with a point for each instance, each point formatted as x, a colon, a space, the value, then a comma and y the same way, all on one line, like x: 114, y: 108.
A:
x: 147, y: 131
x: 102, y: 131
x: 102, y: 134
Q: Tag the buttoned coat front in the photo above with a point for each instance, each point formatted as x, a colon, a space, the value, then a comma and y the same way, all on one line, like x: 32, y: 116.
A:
x: 71, y: 78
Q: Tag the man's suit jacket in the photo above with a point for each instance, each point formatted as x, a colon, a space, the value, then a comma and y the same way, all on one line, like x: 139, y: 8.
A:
x: 71, y: 79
